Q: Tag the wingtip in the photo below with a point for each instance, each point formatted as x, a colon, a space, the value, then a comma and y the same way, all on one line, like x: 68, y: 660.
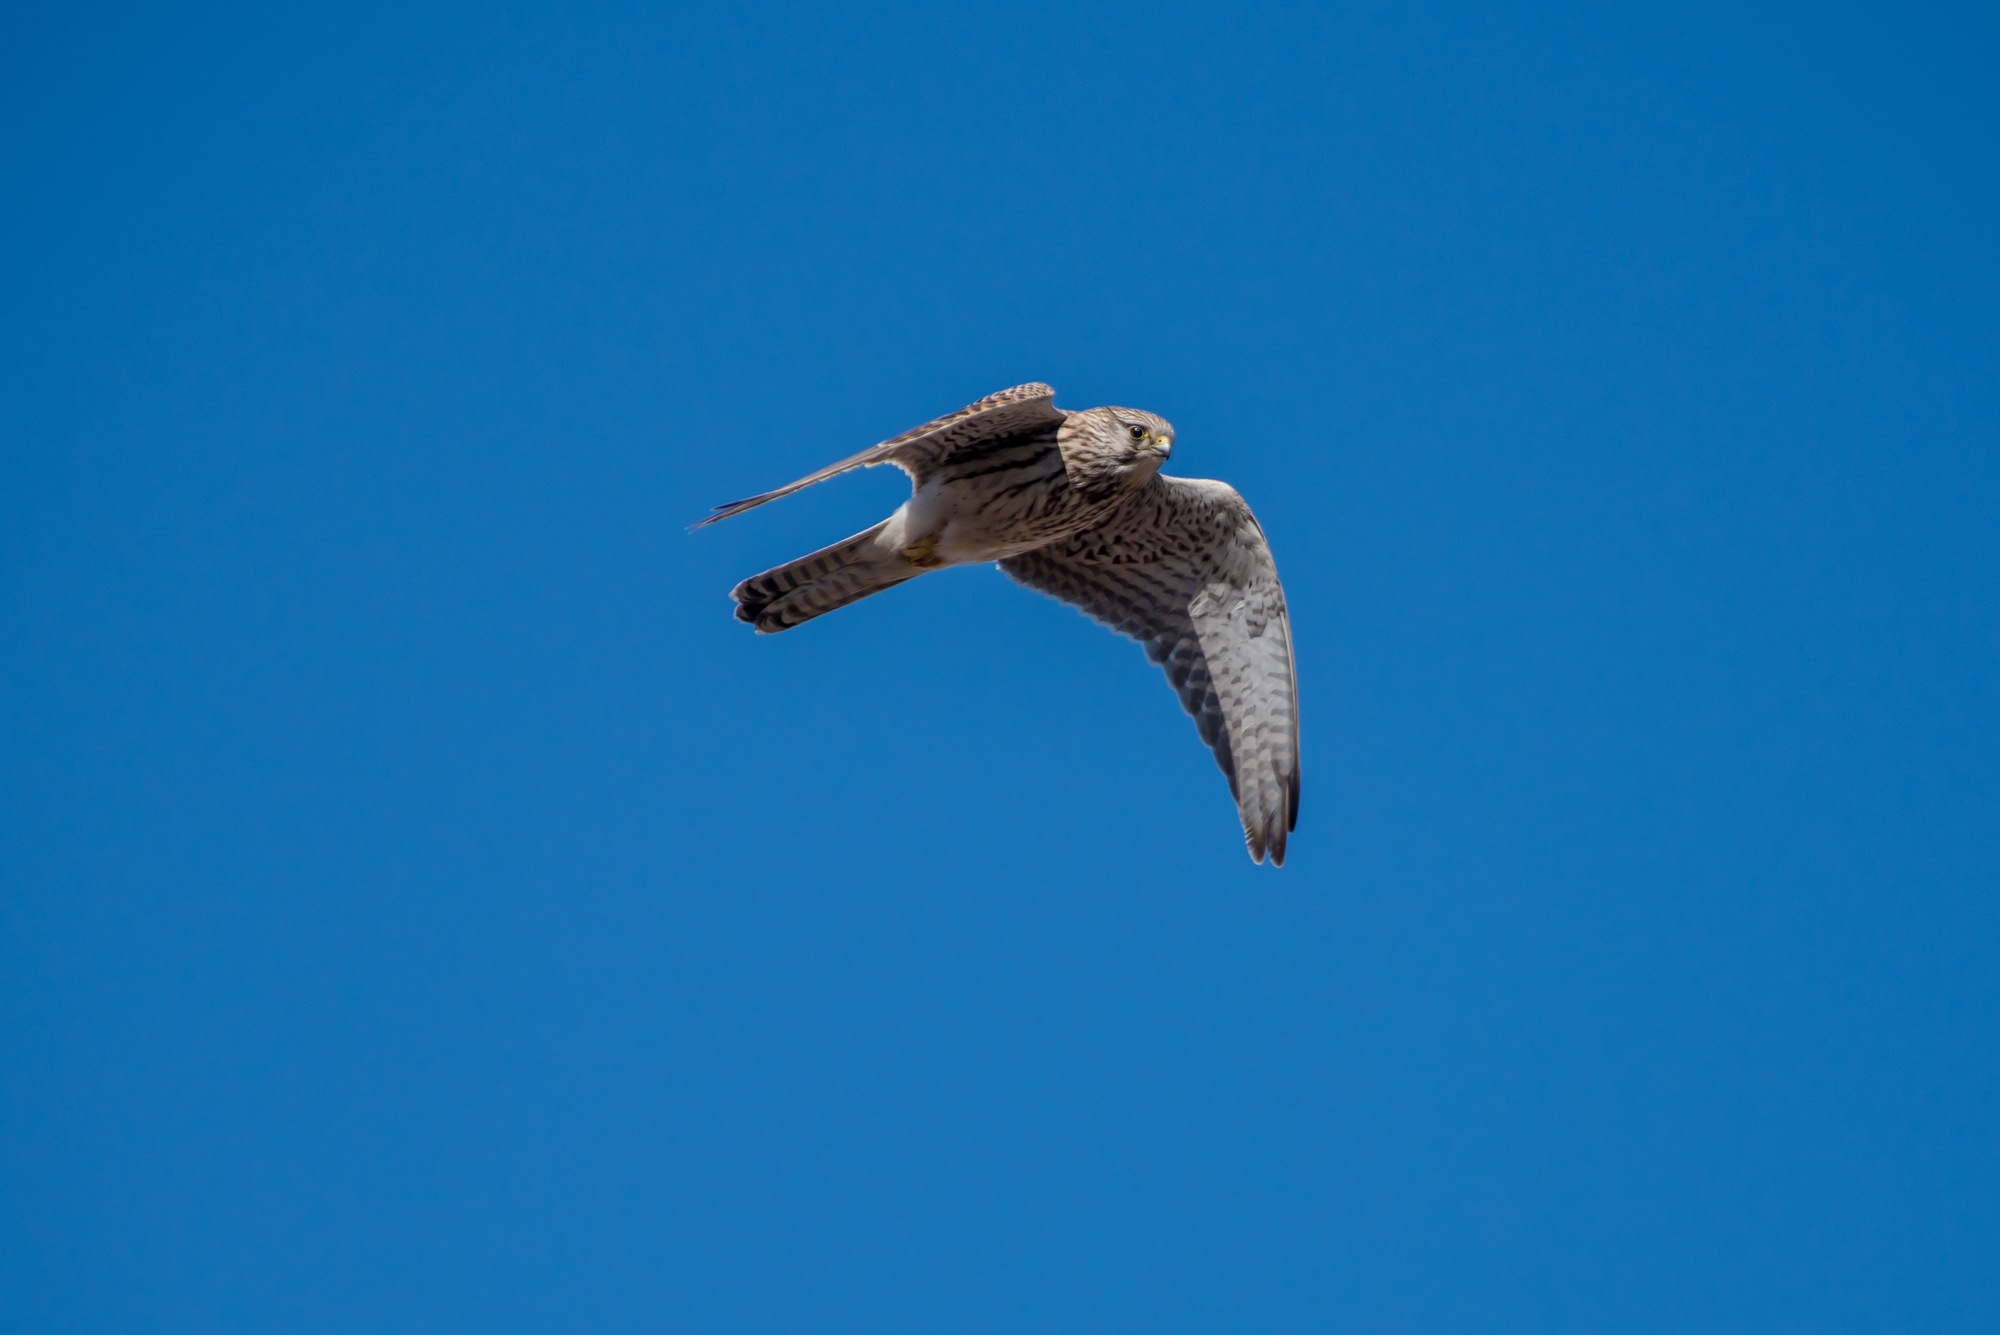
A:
x: 1268, y: 842
x: 724, y: 511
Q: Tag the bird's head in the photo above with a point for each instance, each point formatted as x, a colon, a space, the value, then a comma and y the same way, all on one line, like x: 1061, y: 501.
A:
x: 1112, y: 448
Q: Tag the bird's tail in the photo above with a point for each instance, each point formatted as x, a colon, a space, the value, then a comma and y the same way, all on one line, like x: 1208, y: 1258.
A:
x: 811, y: 586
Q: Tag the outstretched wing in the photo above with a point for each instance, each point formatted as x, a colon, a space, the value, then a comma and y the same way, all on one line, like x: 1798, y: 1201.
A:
x: 1184, y: 569
x: 1011, y: 412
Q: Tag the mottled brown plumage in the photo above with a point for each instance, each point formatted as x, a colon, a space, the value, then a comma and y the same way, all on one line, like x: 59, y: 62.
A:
x: 1074, y: 505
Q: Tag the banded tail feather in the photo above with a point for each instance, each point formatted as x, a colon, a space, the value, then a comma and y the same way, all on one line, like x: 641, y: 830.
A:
x: 794, y: 593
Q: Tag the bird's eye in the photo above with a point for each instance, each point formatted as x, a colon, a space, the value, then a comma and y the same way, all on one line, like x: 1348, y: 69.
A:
x: 1138, y: 432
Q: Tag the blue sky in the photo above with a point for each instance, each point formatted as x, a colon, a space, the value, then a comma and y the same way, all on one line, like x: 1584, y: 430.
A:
x: 427, y: 909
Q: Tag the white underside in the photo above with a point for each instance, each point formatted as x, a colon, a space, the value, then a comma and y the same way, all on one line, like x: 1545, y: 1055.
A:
x: 964, y: 537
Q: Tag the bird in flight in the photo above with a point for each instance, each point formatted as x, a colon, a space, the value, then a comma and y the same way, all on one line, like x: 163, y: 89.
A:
x: 1073, y: 504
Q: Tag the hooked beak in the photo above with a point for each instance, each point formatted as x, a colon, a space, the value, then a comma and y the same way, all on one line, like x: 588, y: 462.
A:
x: 1163, y: 446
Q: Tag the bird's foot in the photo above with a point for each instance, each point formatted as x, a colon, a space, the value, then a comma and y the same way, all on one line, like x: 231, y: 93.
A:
x: 923, y: 553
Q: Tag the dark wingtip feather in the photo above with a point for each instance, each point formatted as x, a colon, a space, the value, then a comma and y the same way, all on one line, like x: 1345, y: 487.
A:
x: 725, y: 511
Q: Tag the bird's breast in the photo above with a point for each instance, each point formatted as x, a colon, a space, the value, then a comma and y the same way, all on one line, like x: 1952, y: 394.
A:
x: 1004, y: 502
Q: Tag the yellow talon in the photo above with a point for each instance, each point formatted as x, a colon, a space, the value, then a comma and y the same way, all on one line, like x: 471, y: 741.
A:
x: 923, y: 553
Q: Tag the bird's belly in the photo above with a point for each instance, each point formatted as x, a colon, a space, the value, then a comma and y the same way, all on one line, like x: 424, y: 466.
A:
x: 971, y: 537
x: 969, y: 521
x: 964, y: 549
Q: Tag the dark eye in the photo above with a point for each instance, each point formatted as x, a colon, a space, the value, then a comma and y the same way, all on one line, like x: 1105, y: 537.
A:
x: 1138, y: 432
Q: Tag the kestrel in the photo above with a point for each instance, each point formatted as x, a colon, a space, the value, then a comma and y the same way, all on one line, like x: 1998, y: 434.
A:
x: 1074, y: 504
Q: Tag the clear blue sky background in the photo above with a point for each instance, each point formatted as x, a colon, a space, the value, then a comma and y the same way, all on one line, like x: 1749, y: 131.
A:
x: 425, y: 909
